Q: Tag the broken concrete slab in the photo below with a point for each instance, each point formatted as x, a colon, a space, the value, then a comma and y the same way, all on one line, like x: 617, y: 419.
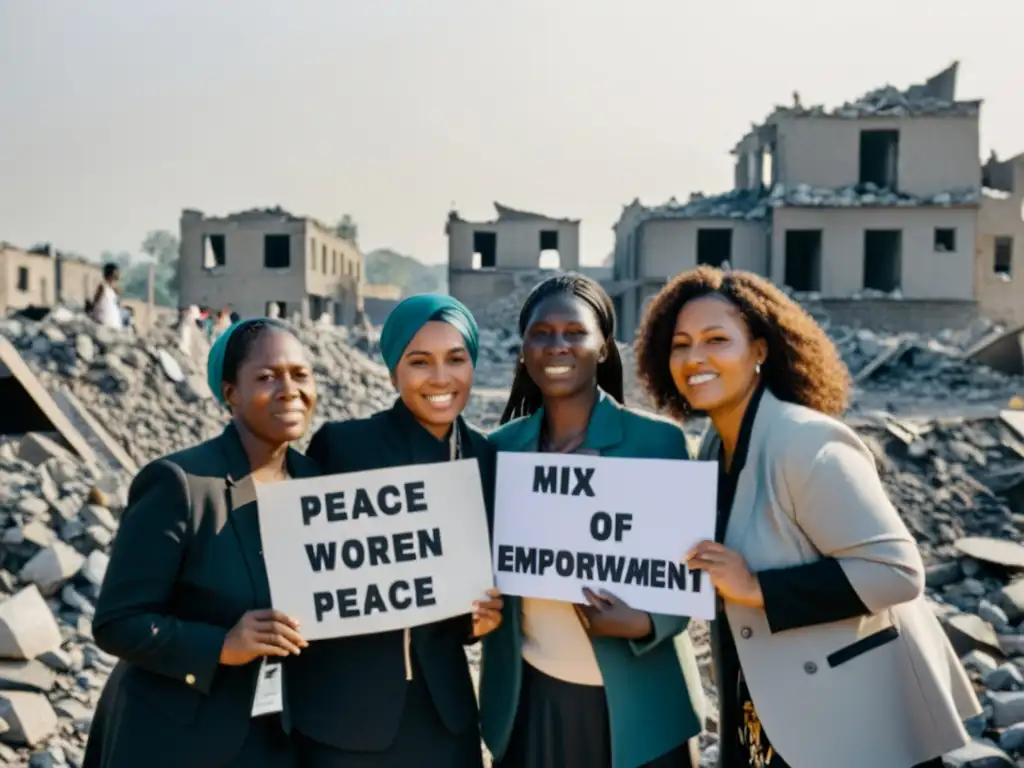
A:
x: 1001, y: 350
x: 51, y: 567
x: 37, y: 448
x: 105, y: 446
x: 1007, y: 554
x: 30, y: 717
x: 28, y: 407
x: 27, y: 626
x: 28, y: 675
x: 968, y: 632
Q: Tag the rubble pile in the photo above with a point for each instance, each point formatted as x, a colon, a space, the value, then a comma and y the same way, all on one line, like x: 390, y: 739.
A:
x: 153, y: 398
x: 958, y: 483
x: 503, y: 313
x: 863, y: 195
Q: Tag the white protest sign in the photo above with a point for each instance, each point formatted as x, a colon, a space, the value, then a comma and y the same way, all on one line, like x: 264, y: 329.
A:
x: 375, y: 551
x: 567, y: 521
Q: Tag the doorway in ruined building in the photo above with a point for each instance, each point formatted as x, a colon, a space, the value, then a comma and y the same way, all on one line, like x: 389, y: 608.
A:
x: 714, y: 247
x: 883, y: 256
x: 803, y: 260
x: 485, y: 250
x: 879, y: 158
x: 549, y: 258
x: 277, y: 309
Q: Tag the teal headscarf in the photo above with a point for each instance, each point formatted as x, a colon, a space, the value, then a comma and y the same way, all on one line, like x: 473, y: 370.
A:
x: 413, y: 313
x: 215, y: 360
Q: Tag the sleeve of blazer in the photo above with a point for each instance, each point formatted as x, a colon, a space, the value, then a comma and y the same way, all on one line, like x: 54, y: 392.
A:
x: 664, y: 627
x: 839, y: 502
x: 133, y: 615
x: 319, y: 447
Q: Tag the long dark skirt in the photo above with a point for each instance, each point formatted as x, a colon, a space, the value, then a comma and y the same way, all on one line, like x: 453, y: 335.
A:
x: 422, y: 740
x: 563, y: 725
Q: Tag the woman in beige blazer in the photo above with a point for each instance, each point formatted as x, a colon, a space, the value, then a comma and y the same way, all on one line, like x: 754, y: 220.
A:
x: 826, y: 653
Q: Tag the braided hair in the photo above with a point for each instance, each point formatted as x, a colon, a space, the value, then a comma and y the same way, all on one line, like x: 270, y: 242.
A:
x: 525, y: 397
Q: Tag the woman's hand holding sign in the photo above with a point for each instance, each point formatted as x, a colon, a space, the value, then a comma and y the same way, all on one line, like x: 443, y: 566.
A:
x: 487, y: 614
x: 605, y: 615
x: 261, y: 633
x: 729, y: 573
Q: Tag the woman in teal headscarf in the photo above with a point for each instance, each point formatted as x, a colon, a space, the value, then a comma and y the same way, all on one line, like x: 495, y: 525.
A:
x: 405, y: 698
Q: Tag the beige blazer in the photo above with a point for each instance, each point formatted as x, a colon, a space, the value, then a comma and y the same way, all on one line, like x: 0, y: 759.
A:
x: 851, y: 693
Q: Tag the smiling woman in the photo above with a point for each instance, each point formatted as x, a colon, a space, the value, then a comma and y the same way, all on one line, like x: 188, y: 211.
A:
x: 596, y: 684
x: 185, y: 603
x: 398, y: 699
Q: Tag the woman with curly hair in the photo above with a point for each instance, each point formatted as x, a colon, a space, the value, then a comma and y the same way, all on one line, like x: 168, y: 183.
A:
x: 823, y: 642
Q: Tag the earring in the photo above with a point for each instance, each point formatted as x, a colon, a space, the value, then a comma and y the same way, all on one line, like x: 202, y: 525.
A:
x: 757, y: 368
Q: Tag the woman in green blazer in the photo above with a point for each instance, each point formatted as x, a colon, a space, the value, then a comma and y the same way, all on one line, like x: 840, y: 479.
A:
x: 598, y: 685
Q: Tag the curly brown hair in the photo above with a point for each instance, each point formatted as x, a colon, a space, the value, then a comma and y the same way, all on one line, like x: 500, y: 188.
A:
x: 803, y: 365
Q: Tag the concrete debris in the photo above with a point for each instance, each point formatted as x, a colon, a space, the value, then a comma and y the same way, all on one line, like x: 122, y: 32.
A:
x: 957, y: 482
x: 756, y: 204
x: 864, y: 195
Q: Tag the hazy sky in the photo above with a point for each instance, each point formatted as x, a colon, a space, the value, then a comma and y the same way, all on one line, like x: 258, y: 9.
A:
x: 116, y: 114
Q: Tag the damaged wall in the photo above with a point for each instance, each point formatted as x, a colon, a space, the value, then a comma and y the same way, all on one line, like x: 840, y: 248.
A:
x: 667, y: 247
x: 229, y: 261
x: 934, y: 154
x: 999, y: 252
x: 483, y: 257
x: 925, y: 272
x: 26, y: 279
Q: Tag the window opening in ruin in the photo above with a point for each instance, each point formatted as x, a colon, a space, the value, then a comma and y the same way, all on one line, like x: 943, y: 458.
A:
x: 485, y: 250
x: 277, y: 251
x: 879, y: 156
x: 714, y: 246
x: 945, y: 239
x: 23, y: 279
x: 323, y: 260
x: 277, y: 309
x: 803, y: 259
x: 768, y: 166
x: 1002, y: 257
x: 214, y: 251
x: 882, y: 259
x: 312, y: 255
x: 549, y: 257
x: 42, y: 290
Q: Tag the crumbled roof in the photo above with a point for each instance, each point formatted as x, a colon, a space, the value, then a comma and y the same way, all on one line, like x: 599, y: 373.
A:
x: 513, y: 214
x: 756, y: 205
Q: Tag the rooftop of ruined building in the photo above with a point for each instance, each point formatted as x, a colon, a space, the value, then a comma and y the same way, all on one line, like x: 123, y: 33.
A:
x: 276, y: 213
x: 506, y: 214
x: 755, y: 205
x: 47, y: 251
x: 933, y: 98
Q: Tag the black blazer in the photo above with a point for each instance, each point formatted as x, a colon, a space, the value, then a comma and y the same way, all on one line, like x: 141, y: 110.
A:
x: 349, y: 692
x: 184, y: 568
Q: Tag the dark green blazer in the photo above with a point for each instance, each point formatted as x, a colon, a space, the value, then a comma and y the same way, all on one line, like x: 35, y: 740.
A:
x: 654, y: 693
x: 349, y: 692
x: 186, y: 564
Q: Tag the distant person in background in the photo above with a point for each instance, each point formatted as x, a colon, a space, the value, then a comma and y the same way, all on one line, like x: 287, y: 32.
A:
x: 105, y: 307
x: 826, y: 653
x: 185, y: 603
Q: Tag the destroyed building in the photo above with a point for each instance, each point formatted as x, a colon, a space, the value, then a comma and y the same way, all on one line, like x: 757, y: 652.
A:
x: 856, y: 206
x: 488, y: 260
x: 256, y: 259
x: 998, y: 278
x: 43, y: 276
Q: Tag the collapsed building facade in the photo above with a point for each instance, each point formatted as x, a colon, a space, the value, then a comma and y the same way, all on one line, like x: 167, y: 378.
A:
x: 998, y: 280
x: 489, y: 260
x: 43, y: 276
x: 870, y: 208
x: 267, y: 261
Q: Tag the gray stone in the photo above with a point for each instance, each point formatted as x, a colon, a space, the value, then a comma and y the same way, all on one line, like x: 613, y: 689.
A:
x: 29, y: 715
x: 27, y: 626
x: 1007, y: 708
x: 980, y: 662
x: 1007, y: 677
x: 51, y: 567
x: 26, y: 676
x: 1008, y: 554
x: 95, y: 567
x: 93, y: 514
x: 1011, y: 600
x: 977, y: 754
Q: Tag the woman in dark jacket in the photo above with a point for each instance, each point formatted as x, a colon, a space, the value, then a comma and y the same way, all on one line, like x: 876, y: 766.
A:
x: 185, y: 603
x: 403, y: 699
